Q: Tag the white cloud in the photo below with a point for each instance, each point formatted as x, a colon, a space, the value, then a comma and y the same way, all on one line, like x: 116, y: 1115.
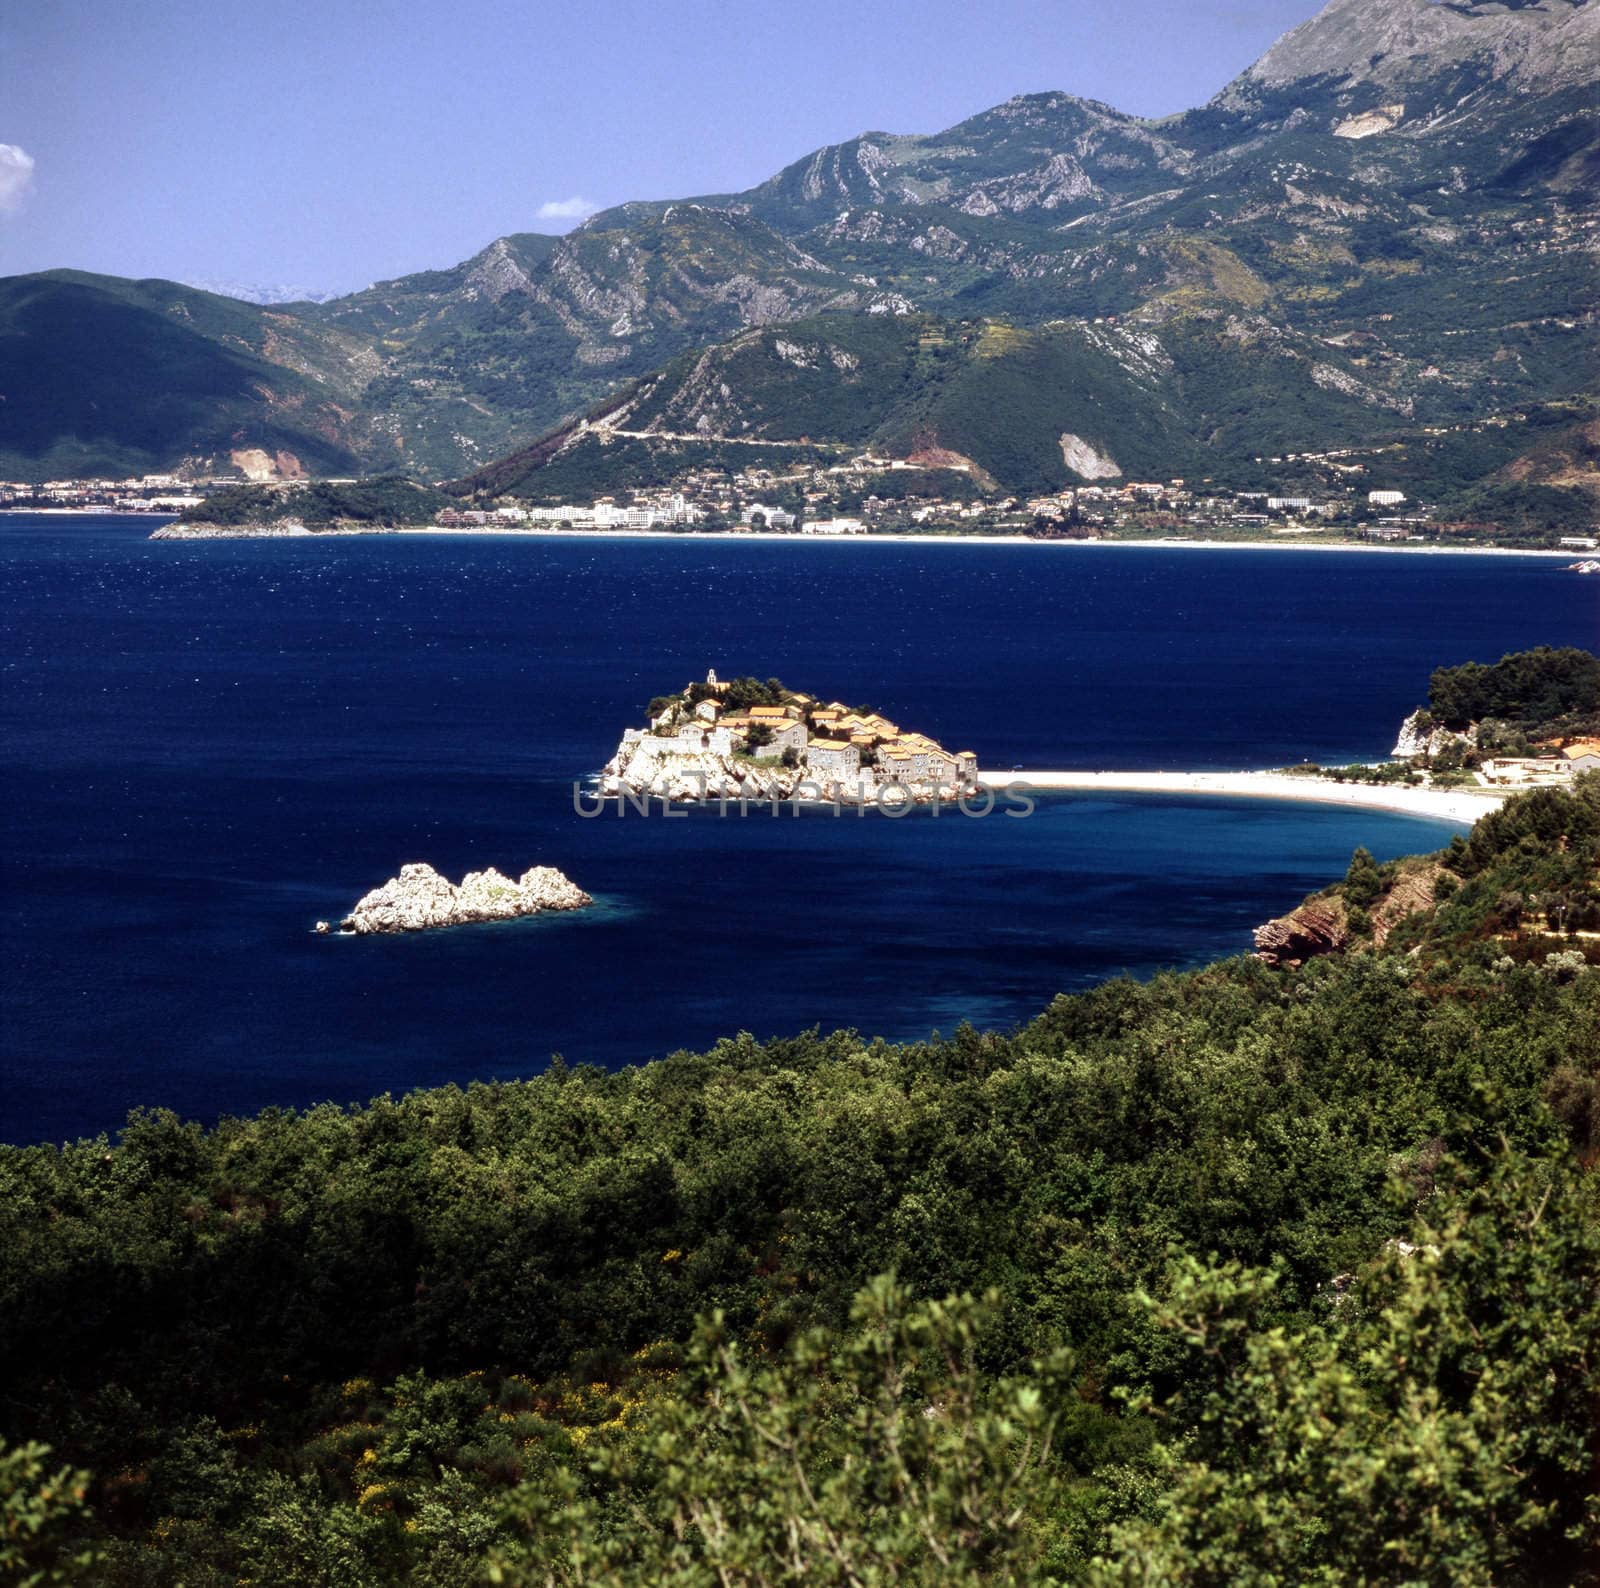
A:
x: 16, y: 175
x: 572, y: 209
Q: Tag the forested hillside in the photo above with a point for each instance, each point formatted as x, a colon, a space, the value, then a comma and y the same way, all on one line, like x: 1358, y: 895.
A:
x: 104, y: 376
x: 1242, y: 1276
x: 1025, y: 406
x: 390, y: 501
x: 1541, y: 692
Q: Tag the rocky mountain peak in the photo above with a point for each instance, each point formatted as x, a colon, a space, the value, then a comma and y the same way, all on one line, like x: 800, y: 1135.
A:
x: 495, y: 272
x: 1551, y: 43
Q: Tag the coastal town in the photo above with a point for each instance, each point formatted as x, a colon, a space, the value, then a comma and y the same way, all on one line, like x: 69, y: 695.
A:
x: 871, y: 494
x: 847, y: 500
x: 140, y: 493
x: 758, y: 741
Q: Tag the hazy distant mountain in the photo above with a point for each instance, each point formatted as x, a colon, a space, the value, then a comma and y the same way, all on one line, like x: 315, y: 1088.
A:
x: 254, y: 292
x: 1384, y: 223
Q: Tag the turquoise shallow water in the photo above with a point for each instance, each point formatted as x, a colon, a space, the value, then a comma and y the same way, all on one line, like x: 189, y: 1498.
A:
x: 207, y: 745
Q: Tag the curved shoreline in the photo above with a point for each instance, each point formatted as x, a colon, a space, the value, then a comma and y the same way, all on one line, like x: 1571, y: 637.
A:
x: 914, y: 538
x: 1463, y: 806
x: 878, y: 538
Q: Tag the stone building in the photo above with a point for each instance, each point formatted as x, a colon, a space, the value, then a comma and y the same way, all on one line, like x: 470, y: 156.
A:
x: 833, y: 761
x: 785, y: 736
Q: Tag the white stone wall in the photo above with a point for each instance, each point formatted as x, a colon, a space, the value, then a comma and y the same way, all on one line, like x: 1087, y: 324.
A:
x: 845, y: 763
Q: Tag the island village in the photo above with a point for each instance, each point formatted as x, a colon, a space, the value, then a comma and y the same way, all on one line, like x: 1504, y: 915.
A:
x: 759, y: 742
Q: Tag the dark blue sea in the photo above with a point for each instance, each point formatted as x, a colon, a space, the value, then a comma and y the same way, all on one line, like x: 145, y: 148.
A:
x: 208, y: 745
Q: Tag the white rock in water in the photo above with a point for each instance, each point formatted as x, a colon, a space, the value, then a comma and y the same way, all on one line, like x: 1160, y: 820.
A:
x: 276, y: 529
x: 420, y: 898
x: 552, y: 890
x: 488, y: 896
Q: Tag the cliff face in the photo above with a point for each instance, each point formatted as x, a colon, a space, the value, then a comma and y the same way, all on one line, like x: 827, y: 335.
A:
x: 690, y: 775
x: 1322, y: 924
x: 1396, y: 43
x: 1420, y: 736
x: 1412, y: 892
x: 1319, y: 926
x: 693, y: 775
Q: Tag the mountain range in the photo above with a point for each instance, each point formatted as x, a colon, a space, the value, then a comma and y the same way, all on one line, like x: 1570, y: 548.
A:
x: 1380, y: 233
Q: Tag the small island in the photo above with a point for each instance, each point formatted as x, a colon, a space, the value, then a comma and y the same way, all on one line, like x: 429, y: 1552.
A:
x: 763, y: 743
x: 420, y: 899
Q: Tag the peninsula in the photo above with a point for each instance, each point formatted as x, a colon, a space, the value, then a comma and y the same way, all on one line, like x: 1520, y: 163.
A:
x: 1530, y: 720
x: 307, y: 507
x: 419, y: 899
x: 762, y: 742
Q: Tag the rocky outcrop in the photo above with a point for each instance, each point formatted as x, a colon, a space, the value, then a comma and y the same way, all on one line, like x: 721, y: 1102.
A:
x: 274, y: 529
x: 1322, y: 924
x: 278, y: 527
x: 419, y: 899
x: 1319, y: 926
x: 1421, y: 736
x: 696, y: 776
x: 646, y: 768
x: 1086, y: 460
x: 1385, y: 42
x: 1412, y: 892
x: 1371, y: 122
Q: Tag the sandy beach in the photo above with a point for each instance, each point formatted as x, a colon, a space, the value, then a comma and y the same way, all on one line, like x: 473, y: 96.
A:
x: 1175, y: 543
x: 915, y: 539
x: 1452, y: 805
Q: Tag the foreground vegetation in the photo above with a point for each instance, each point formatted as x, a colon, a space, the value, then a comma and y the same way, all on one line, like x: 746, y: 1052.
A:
x: 1242, y: 1276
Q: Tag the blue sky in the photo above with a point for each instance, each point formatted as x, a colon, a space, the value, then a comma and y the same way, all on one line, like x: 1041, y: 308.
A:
x: 329, y: 143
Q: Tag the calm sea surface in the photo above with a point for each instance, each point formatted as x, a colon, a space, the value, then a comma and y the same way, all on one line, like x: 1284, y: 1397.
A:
x: 208, y: 745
